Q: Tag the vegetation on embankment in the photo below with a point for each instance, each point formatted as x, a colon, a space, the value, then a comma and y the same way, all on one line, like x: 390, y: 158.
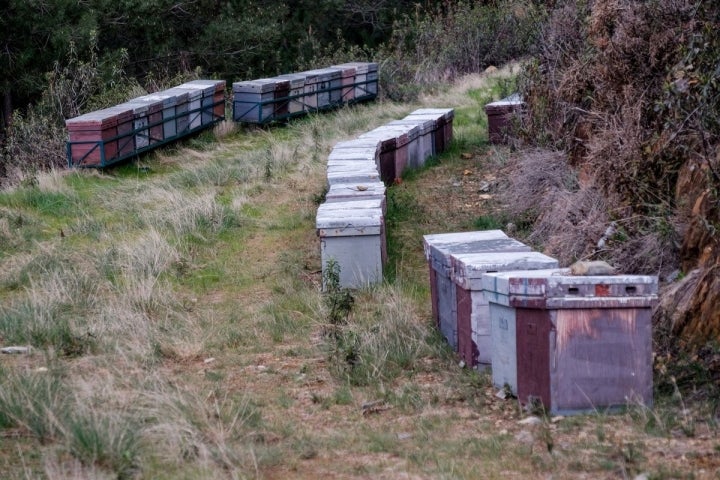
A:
x: 623, y: 115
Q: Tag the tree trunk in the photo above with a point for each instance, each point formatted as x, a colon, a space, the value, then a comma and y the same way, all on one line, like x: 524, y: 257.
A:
x: 6, y: 111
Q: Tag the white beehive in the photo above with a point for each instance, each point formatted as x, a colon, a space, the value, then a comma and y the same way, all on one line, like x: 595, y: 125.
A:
x: 354, y: 238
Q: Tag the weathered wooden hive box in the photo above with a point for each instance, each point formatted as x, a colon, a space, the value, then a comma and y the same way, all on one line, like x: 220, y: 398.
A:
x: 181, y: 119
x: 500, y: 117
x: 412, y: 130
x: 583, y: 342
x: 354, y: 238
x: 141, y: 133
x: 296, y: 100
x: 393, y: 151
x: 352, y: 171
x: 433, y: 132
x: 438, y: 250
x: 502, y: 324
x: 93, y: 137
x: 473, y: 312
x: 168, y: 101
x: 253, y: 100
x: 348, y: 81
x: 444, y: 133
x: 336, y: 85
x: 213, y: 99
x: 281, y: 102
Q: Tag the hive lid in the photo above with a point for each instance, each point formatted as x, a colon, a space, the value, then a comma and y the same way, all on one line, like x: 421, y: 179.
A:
x: 334, y: 222
x: 563, y: 285
x: 446, y: 113
x: 216, y: 85
x: 352, y: 190
x: 445, y: 240
x: 353, y: 154
x: 168, y: 99
x: 513, y: 100
x: 362, y: 204
x: 296, y: 80
x: 348, y: 70
x: 260, y: 85
x: 358, y: 143
x: 411, y: 128
x: 180, y: 94
x: 469, y: 268
x: 398, y: 132
x: 354, y: 166
x: 98, y: 119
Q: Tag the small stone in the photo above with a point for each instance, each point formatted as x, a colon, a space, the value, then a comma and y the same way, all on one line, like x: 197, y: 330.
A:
x: 524, y: 436
x: 557, y: 419
x: 209, y: 360
x: 530, y: 421
x: 404, y: 436
x: 15, y: 350
x: 461, y: 364
x: 642, y: 476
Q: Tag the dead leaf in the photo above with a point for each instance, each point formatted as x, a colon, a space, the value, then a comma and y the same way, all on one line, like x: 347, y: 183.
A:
x: 466, y: 156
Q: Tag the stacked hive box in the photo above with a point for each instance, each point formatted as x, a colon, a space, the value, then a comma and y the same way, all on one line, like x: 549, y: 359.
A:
x: 573, y: 343
x: 439, y: 249
x: 351, y: 222
x: 104, y: 137
x: 581, y: 343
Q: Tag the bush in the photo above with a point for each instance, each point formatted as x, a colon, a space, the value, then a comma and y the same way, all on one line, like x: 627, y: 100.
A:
x: 430, y: 47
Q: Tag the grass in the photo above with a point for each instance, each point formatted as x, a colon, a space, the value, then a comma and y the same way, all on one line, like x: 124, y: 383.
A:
x: 180, y: 329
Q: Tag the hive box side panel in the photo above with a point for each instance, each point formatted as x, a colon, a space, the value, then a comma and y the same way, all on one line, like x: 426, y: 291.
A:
x: 504, y: 346
x: 359, y: 258
x: 533, y: 355
x: 602, y: 358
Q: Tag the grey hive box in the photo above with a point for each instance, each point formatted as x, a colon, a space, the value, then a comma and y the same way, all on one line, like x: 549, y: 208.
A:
x: 438, y: 250
x: 296, y: 100
x: 583, y: 342
x: 355, y: 239
x: 181, y: 118
x: 473, y: 312
x: 253, y: 100
x: 169, y: 102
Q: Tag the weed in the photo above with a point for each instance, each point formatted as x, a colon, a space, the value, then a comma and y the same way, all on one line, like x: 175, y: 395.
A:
x: 34, y: 401
x: 98, y: 439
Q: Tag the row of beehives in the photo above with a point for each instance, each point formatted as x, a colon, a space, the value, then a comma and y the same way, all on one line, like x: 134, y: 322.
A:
x: 271, y: 99
x: 351, y: 221
x: 103, y: 137
x: 107, y: 136
x: 574, y: 343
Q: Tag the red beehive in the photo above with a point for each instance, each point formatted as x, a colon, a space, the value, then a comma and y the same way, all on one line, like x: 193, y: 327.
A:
x: 500, y: 117
x: 583, y: 343
x: 93, y: 137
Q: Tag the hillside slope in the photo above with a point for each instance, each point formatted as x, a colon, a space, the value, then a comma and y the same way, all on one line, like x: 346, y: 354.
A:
x: 179, y: 330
